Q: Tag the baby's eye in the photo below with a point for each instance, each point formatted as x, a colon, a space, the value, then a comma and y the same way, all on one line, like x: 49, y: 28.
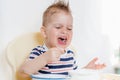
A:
x: 69, y: 29
x: 57, y: 27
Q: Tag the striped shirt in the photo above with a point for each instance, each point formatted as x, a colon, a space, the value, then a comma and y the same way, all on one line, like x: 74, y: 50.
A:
x: 61, y: 67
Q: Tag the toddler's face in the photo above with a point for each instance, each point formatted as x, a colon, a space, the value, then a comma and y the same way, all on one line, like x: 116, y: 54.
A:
x: 58, y: 32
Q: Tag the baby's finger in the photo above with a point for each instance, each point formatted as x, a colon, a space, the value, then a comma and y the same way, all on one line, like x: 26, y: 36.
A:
x: 62, y: 51
x: 94, y: 60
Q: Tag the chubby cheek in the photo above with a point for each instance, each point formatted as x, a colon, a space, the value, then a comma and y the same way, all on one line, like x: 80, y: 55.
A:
x: 70, y: 38
x: 52, y: 35
x: 50, y: 32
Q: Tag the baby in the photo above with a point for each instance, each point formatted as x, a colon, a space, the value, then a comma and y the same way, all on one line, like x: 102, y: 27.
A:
x: 54, y: 59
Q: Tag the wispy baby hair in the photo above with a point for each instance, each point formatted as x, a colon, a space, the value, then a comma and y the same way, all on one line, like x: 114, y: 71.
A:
x: 58, y: 5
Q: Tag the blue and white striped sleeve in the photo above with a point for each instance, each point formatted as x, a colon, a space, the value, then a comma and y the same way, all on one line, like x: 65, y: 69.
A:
x: 37, y: 51
x: 75, y: 66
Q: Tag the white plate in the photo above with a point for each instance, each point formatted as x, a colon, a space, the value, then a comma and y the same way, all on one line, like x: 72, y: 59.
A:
x: 84, y: 74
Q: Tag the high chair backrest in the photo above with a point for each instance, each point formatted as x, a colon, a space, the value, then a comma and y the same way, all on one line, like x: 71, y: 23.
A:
x: 20, y: 48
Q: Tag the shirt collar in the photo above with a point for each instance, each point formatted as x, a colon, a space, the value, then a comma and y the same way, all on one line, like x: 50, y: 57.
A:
x: 46, y: 48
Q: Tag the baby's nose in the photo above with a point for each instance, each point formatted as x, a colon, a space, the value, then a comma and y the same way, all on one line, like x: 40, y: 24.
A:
x: 64, y: 31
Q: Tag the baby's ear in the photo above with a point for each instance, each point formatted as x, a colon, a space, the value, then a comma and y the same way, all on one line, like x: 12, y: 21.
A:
x: 43, y: 31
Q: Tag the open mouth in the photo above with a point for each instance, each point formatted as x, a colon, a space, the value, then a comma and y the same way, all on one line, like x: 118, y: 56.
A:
x: 62, y: 40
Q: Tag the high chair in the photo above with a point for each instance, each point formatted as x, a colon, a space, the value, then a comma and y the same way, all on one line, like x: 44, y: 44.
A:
x: 19, y: 49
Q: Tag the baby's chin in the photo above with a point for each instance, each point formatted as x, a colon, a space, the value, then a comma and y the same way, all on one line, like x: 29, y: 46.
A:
x: 63, y: 46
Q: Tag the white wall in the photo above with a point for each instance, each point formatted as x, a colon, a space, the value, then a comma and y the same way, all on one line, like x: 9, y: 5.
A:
x: 111, y: 25
x: 88, y: 38
x: 111, y: 21
x: 21, y: 16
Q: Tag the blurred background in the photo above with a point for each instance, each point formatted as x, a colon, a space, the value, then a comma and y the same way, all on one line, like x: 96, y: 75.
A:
x: 96, y: 27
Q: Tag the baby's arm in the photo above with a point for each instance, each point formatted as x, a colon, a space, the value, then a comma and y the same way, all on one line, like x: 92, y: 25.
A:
x: 32, y: 66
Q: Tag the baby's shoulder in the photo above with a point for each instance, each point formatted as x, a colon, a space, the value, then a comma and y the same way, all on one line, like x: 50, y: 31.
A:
x: 70, y: 51
x: 39, y: 47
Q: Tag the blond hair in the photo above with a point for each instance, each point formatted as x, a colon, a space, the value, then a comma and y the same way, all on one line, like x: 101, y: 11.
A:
x: 58, y: 5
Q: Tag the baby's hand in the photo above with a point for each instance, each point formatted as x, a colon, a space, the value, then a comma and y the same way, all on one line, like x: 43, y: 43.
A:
x: 53, y: 54
x: 93, y: 65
